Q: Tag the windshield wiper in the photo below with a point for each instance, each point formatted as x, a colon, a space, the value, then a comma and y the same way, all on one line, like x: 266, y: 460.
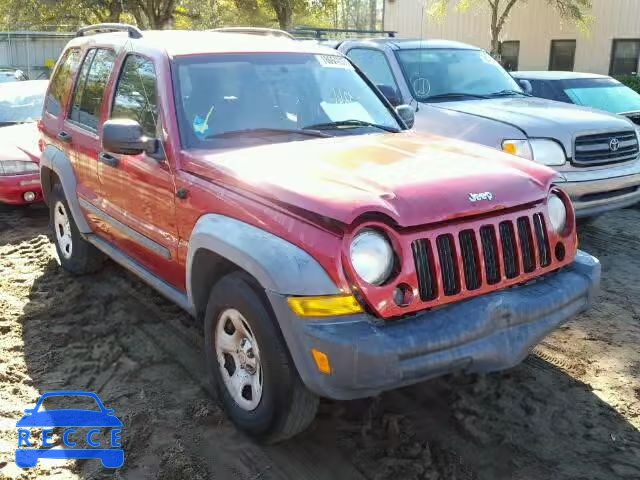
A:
x: 277, y: 131
x: 352, y: 123
x: 453, y: 95
x: 504, y: 93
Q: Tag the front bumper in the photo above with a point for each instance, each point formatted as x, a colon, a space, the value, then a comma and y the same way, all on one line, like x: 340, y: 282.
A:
x: 13, y: 188
x: 593, y: 192
x: 483, y: 334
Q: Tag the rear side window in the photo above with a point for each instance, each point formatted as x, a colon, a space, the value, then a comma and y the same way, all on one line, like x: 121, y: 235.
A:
x: 135, y: 97
x: 89, y: 91
x: 62, y: 81
x: 374, y: 64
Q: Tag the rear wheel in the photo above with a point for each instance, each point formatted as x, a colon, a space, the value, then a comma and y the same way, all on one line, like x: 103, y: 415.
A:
x: 250, y: 366
x: 75, y: 253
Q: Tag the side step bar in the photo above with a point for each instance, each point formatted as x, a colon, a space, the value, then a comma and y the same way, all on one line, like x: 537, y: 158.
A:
x: 134, y: 267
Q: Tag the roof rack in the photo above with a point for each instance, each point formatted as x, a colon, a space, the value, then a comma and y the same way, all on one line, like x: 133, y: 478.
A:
x: 323, y: 33
x: 134, y: 32
x: 267, y: 32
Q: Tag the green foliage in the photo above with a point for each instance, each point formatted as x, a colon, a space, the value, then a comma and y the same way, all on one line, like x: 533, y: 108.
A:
x: 67, y: 15
x: 575, y: 10
x: 631, y: 81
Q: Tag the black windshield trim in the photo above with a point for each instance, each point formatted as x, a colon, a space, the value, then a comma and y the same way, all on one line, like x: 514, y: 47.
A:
x: 355, y: 123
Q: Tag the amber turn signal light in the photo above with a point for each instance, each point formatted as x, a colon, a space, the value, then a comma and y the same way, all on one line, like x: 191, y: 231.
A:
x: 322, y: 361
x: 324, y: 306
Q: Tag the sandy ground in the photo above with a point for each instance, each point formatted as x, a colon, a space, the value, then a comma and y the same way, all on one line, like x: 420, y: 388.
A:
x: 570, y: 411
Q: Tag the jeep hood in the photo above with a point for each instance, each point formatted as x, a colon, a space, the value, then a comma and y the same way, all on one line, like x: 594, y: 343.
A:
x: 414, y: 179
x: 541, y: 118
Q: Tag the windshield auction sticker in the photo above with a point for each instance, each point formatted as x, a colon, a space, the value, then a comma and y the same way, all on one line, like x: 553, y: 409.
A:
x: 334, y: 61
x: 52, y: 430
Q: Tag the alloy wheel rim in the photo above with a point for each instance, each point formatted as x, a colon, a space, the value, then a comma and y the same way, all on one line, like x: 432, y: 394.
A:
x: 62, y: 227
x: 238, y: 358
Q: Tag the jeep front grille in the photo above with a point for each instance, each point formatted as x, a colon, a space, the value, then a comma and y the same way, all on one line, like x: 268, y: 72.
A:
x: 604, y: 148
x: 484, y: 256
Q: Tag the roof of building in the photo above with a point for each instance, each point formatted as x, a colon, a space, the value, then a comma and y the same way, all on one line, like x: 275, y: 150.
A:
x: 189, y: 42
x: 555, y: 75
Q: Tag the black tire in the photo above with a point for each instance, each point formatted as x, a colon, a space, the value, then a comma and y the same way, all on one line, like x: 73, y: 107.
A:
x: 586, y: 221
x: 286, y: 406
x: 81, y: 257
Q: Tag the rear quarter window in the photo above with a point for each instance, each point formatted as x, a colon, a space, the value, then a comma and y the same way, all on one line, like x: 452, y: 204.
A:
x: 62, y: 81
x: 89, y: 92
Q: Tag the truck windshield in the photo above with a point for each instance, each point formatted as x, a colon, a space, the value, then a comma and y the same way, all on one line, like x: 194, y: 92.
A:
x: 602, y: 93
x: 232, y: 100
x: 441, y: 74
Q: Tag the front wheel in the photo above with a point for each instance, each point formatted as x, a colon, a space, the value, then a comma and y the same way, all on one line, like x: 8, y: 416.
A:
x: 250, y: 366
x: 75, y: 253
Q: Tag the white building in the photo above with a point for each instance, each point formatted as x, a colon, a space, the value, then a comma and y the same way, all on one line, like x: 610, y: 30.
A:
x: 534, y: 37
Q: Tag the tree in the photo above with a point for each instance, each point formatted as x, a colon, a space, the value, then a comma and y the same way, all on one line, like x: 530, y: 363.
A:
x: 284, y: 12
x: 67, y: 15
x: 576, y: 10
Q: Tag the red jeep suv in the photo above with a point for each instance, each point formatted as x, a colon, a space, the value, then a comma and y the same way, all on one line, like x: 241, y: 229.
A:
x: 265, y: 186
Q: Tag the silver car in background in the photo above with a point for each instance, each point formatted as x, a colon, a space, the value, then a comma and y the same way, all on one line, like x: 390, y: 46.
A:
x: 586, y: 89
x: 460, y: 91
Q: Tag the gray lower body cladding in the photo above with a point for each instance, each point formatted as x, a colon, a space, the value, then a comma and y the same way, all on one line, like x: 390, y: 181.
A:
x: 487, y: 333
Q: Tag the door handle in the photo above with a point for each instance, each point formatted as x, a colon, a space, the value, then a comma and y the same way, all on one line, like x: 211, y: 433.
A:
x: 65, y: 137
x: 108, y: 159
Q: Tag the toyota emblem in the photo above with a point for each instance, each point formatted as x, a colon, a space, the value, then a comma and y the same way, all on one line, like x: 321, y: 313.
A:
x: 614, y: 144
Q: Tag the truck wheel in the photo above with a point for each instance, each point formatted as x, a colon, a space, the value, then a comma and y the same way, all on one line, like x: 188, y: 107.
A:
x: 75, y: 253
x: 250, y: 366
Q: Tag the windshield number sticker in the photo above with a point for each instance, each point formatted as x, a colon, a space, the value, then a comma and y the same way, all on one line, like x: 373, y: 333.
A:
x: 334, y: 61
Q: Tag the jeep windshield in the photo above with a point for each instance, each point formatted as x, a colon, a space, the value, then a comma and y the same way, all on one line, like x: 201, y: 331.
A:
x: 237, y: 100
x: 449, y: 74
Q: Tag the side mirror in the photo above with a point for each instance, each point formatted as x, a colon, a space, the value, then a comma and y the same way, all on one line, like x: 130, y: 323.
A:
x: 125, y: 136
x: 406, y: 113
x: 390, y: 94
x: 525, y: 85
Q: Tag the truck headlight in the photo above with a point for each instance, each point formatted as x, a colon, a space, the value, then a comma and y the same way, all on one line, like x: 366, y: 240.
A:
x: 372, y: 257
x: 548, y: 152
x: 557, y: 213
x: 519, y: 148
x: 15, y: 167
x: 543, y: 151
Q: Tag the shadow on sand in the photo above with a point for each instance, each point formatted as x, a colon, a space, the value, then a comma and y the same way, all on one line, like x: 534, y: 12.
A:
x: 110, y: 334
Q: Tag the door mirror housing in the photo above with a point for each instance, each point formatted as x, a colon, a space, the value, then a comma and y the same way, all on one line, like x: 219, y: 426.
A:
x: 525, y: 85
x: 126, y: 137
x: 390, y: 94
x: 406, y: 113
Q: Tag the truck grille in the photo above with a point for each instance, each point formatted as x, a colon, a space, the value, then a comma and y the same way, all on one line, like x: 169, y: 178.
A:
x: 606, y: 148
x: 486, y: 255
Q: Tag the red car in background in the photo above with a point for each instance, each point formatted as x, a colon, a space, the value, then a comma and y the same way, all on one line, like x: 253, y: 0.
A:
x: 20, y: 109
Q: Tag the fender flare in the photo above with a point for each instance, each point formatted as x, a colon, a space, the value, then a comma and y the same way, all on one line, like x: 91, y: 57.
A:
x: 278, y: 265
x: 56, y: 160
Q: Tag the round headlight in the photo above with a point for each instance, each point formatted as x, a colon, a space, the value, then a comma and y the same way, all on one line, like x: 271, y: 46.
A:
x: 372, y: 257
x: 557, y: 213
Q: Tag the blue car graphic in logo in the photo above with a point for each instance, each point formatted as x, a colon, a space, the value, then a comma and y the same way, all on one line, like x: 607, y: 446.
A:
x: 66, y: 419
